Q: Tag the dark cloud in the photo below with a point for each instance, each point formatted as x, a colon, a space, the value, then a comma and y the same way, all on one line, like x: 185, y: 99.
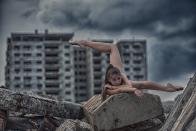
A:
x: 115, y: 15
x: 171, y: 22
x: 173, y: 59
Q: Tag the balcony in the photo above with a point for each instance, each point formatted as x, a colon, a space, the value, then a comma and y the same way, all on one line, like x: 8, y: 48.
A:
x: 51, y: 82
x: 52, y: 66
x: 55, y: 74
x: 52, y: 51
x: 48, y: 58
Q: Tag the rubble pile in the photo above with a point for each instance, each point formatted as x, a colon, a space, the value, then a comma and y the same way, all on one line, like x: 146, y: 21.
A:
x: 120, y: 112
x: 183, y: 114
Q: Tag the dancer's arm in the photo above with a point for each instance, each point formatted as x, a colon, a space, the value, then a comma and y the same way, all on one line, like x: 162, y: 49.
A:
x: 111, y: 90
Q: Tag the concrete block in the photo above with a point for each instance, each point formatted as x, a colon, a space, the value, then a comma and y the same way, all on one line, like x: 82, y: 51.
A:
x: 121, y: 110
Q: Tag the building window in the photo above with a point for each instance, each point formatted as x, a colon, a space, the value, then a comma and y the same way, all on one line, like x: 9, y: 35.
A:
x: 39, y: 70
x: 137, y: 61
x: 16, y: 38
x: 17, y: 86
x: 67, y: 54
x: 51, y: 70
x: 67, y: 85
x: 39, y: 78
x: 81, y: 59
x: 82, y: 87
x: 97, y: 85
x: 27, y: 62
x: 51, y: 55
x: 16, y: 62
x: 17, y: 54
x: 127, y: 69
x: 38, y: 46
x: 17, y: 70
x: 27, y: 70
x: 67, y: 77
x: 96, y: 53
x: 126, y: 54
x: 138, y: 76
x: 67, y: 62
x: 97, y: 61
x: 16, y: 78
x: 126, y: 62
x: 38, y: 54
x: 27, y: 54
x: 26, y: 47
x: 137, y: 69
x: 52, y: 38
x: 54, y: 47
x: 137, y: 54
x: 97, y: 91
x: 136, y: 47
x: 97, y: 69
x: 68, y: 99
x: 38, y: 62
x: 67, y: 69
x: 27, y: 86
x: 82, y: 80
x: 67, y: 92
x: 16, y: 47
x: 67, y: 46
x: 39, y: 85
x: 82, y: 94
x: 28, y: 78
x: 126, y: 46
x: 98, y: 77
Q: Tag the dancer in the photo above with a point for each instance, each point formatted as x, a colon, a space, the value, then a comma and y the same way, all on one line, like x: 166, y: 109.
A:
x: 116, y: 80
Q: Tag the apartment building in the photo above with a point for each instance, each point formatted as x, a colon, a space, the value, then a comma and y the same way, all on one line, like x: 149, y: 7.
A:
x: 134, y: 57
x: 42, y: 63
x: 47, y: 64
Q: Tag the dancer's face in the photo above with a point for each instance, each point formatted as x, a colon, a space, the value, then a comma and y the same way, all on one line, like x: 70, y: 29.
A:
x: 115, y: 80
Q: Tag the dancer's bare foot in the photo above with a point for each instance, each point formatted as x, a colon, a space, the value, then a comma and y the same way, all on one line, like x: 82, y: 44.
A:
x: 77, y: 43
x: 173, y: 88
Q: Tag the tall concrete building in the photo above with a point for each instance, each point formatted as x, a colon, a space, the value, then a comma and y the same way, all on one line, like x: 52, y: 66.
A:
x: 83, y: 73
x: 41, y: 62
x: 47, y: 64
x: 134, y: 56
x: 100, y: 63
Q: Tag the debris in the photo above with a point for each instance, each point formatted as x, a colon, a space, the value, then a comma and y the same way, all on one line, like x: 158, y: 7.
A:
x: 30, y: 104
x: 121, y: 110
x: 183, y: 113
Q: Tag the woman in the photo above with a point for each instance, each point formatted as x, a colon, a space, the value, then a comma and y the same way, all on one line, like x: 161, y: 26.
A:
x: 116, y: 80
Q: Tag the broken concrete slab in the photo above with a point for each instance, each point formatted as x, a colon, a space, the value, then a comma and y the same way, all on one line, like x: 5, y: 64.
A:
x: 31, y: 104
x: 121, y: 110
x: 184, y: 110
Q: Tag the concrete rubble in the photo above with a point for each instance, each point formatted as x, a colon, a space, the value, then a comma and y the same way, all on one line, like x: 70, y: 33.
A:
x: 120, y: 112
x: 183, y: 114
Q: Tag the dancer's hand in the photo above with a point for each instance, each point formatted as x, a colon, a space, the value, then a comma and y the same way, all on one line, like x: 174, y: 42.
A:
x: 110, y: 90
x: 138, y: 92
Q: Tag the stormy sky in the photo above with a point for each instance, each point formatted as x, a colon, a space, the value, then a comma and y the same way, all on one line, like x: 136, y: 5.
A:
x: 169, y: 26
